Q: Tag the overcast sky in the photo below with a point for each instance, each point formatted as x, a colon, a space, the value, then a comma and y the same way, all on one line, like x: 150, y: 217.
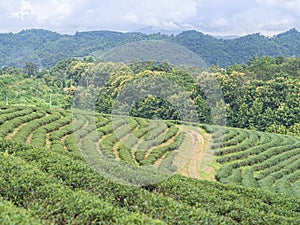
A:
x: 218, y: 17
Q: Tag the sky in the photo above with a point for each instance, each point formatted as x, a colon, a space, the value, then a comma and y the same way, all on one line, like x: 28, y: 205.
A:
x: 216, y: 17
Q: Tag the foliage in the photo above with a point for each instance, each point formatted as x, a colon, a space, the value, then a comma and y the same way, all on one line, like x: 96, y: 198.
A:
x: 255, y: 159
x: 263, y: 95
x: 10, y: 214
x: 21, y: 89
x: 45, y: 48
x: 64, y: 189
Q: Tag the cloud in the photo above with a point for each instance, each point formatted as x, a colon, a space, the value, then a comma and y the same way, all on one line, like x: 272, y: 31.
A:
x: 268, y: 17
x: 214, y: 16
x: 72, y: 15
x: 43, y: 11
x: 219, y: 22
x: 267, y: 2
x: 25, y: 10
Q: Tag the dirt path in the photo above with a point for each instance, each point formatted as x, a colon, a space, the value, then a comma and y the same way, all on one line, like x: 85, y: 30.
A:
x: 171, y: 140
x: 29, y: 138
x: 197, y: 149
x: 11, y: 135
x: 98, y: 146
x: 63, y: 139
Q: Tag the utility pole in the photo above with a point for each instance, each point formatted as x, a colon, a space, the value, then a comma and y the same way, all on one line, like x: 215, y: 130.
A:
x: 50, y: 101
x: 6, y: 100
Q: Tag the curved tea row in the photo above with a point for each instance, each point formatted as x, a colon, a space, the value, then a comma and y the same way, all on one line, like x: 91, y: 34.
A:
x: 266, y: 160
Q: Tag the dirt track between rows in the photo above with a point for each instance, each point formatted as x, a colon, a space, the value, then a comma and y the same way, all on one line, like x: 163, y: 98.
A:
x: 197, y: 149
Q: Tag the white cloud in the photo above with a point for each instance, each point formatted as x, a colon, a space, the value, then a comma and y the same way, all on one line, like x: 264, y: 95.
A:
x: 63, y: 9
x: 43, y: 11
x: 214, y: 16
x: 25, y: 9
x: 131, y: 18
x: 267, y: 2
x: 169, y: 25
x: 219, y: 22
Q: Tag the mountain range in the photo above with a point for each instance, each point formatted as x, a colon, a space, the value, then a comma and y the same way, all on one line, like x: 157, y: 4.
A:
x: 45, y: 48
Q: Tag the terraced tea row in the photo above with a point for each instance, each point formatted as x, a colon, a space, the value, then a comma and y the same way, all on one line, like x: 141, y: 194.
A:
x: 266, y: 160
x: 64, y: 189
x: 255, y: 159
x: 135, y: 141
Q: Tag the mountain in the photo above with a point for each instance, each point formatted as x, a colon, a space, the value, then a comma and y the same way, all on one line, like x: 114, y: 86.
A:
x: 45, y: 48
x: 226, y: 37
x: 152, y: 30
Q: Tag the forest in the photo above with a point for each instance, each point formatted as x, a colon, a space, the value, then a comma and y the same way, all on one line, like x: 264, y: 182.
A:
x: 262, y: 94
x: 45, y: 48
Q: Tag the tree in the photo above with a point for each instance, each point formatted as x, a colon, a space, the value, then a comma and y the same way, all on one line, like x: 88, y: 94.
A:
x: 31, y: 69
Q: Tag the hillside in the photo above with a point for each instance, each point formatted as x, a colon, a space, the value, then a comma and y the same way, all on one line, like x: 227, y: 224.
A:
x: 150, y: 151
x: 256, y: 159
x: 45, y: 176
x: 20, y: 88
x: 46, y: 48
x: 262, y: 95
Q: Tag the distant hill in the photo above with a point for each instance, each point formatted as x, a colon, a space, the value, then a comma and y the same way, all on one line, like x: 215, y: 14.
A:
x: 45, y: 48
x: 226, y: 36
x: 152, y: 30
